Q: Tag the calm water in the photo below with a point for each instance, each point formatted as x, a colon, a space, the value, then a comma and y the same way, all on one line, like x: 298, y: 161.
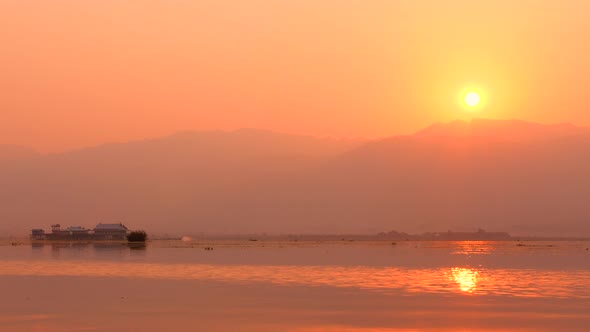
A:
x: 288, y: 286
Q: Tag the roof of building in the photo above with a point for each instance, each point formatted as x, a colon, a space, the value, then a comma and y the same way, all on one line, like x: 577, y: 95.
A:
x: 76, y: 228
x: 110, y: 227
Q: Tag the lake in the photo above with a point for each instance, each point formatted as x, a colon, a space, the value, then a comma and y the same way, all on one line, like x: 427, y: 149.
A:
x: 358, y: 286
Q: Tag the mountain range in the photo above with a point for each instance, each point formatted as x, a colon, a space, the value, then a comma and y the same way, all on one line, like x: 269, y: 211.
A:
x: 500, y: 175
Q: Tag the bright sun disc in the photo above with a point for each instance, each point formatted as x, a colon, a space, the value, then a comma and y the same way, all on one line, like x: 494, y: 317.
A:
x: 472, y: 99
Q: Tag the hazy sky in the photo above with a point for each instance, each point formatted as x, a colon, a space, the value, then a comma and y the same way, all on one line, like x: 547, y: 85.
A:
x: 76, y: 73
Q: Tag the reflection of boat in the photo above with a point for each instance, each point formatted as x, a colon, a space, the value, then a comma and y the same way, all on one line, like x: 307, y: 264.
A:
x: 99, y: 248
x: 136, y: 245
x: 76, y: 233
x: 37, y: 245
x: 107, y: 246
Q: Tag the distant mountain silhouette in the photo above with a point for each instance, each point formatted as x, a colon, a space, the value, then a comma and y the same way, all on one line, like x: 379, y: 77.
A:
x: 188, y: 181
x: 515, y: 176
x: 504, y: 175
x: 9, y: 153
x: 502, y: 130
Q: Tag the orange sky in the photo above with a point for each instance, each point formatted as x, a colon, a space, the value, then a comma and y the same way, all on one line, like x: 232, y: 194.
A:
x: 78, y: 73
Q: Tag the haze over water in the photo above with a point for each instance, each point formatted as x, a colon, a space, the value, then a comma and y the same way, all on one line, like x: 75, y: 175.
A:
x: 287, y: 286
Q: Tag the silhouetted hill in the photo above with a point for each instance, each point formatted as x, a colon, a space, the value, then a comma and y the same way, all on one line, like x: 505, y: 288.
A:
x: 502, y: 130
x: 525, y: 184
x: 511, y: 176
x: 183, y: 181
x: 10, y: 153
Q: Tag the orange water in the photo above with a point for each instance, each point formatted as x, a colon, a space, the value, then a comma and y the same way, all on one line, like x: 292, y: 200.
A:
x: 350, y: 287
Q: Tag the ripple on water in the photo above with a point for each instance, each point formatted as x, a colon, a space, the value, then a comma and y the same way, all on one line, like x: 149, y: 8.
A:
x: 455, y: 280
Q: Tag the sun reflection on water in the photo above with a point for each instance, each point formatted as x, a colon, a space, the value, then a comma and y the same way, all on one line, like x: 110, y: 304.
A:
x: 466, y: 279
x: 458, y: 280
x: 473, y: 247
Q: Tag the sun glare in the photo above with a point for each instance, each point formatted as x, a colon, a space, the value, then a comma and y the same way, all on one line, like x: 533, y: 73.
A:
x: 472, y: 98
x: 466, y: 279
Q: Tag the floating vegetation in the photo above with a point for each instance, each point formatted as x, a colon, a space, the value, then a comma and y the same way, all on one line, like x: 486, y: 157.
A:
x: 137, y: 236
x: 535, y: 245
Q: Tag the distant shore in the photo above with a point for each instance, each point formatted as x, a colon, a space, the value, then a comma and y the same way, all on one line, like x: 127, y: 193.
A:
x: 303, y: 239
x: 383, y: 237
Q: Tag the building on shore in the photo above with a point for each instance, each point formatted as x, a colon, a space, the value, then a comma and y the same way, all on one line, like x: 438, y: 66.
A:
x: 102, y: 231
x: 110, y: 231
x: 37, y: 234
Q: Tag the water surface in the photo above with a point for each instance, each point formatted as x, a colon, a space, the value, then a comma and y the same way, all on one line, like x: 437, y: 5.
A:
x: 286, y: 286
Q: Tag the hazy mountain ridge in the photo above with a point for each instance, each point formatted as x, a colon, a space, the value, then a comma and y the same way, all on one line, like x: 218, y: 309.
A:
x: 502, y: 130
x: 520, y: 185
x: 11, y: 153
x: 156, y: 181
x: 259, y: 181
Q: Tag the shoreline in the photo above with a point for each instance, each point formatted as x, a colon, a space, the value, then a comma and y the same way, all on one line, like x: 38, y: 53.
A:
x: 269, y: 242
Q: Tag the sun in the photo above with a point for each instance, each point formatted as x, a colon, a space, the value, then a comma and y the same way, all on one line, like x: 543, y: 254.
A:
x: 472, y: 98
